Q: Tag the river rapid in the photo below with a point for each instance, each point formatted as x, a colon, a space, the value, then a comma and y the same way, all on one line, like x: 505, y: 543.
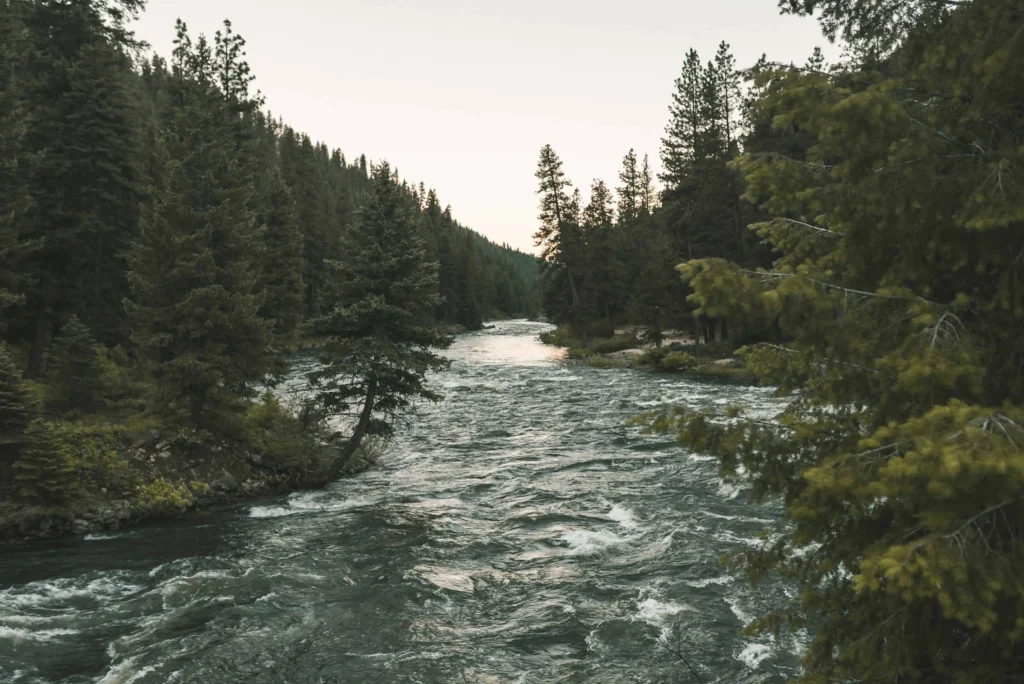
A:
x: 517, y: 532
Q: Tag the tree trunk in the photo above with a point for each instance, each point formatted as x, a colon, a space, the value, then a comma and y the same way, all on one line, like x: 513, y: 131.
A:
x: 580, y: 324
x: 40, y: 342
x: 341, y: 463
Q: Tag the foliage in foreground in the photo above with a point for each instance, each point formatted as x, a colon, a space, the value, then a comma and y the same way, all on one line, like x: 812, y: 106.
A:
x: 901, y: 292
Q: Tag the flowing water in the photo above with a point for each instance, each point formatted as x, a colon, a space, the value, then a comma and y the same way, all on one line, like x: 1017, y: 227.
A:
x: 515, y: 532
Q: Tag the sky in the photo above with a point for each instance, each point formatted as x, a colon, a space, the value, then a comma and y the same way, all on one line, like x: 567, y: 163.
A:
x: 461, y: 95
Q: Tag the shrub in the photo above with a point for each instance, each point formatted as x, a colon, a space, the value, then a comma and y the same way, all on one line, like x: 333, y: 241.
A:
x: 598, y: 361
x: 653, y: 357
x: 98, y: 456
x: 562, y: 336
x: 277, y: 433
x: 678, y: 361
x: 163, y: 497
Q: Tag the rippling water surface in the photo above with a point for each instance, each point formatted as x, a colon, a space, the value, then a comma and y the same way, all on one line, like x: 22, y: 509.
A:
x: 515, y: 533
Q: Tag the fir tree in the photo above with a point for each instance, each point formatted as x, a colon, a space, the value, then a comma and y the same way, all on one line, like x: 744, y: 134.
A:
x: 602, y: 287
x: 378, y: 345
x: 14, y: 160
x: 15, y: 401
x: 43, y: 471
x: 73, y: 369
x: 195, y: 305
x: 630, y: 200
x: 560, y: 241
x: 84, y: 183
x: 900, y: 292
x: 282, y: 266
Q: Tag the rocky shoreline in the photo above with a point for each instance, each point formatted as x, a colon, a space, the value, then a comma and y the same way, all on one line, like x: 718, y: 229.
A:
x: 217, y: 478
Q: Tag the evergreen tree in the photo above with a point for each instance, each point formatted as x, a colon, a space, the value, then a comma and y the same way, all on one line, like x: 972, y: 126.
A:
x: 43, y: 471
x: 15, y: 401
x: 603, y: 283
x: 84, y: 183
x: 647, y: 193
x: 630, y: 198
x: 73, y: 369
x: 560, y: 240
x: 13, y: 160
x: 281, y: 278
x: 900, y: 293
x: 874, y: 27
x: 378, y: 345
x: 195, y: 305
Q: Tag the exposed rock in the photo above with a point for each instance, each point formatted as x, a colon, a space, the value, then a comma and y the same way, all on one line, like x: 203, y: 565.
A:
x: 625, y: 354
x: 81, y: 526
x: 227, y: 483
x: 730, y: 363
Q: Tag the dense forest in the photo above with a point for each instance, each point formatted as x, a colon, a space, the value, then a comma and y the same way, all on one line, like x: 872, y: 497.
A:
x: 859, y: 226
x: 166, y: 245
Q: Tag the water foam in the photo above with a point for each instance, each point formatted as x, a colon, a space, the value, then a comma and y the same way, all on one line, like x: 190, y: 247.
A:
x: 125, y: 673
x: 307, y: 503
x: 623, y: 516
x: 587, y: 543
x: 657, y: 613
x: 47, y: 593
x: 701, y: 583
x: 753, y: 655
x: 22, y: 634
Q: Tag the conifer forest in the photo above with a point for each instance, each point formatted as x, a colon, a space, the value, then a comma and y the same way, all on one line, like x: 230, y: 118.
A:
x: 752, y: 412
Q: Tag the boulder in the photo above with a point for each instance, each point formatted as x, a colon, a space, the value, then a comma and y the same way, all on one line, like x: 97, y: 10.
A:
x: 81, y: 526
x: 227, y: 483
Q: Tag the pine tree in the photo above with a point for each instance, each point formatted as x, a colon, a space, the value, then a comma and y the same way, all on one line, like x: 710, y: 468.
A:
x: 43, y: 472
x: 603, y: 285
x: 15, y: 401
x: 14, y: 161
x: 195, y: 305
x: 630, y: 199
x: 282, y: 266
x: 378, y: 345
x: 560, y: 240
x: 84, y: 183
x: 647, y: 192
x: 900, y: 293
x: 73, y: 369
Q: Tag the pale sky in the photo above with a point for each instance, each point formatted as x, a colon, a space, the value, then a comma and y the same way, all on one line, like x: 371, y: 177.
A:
x: 462, y: 95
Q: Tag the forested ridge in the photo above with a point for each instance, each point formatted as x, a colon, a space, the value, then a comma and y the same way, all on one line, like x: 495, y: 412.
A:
x: 166, y: 244
x: 858, y: 226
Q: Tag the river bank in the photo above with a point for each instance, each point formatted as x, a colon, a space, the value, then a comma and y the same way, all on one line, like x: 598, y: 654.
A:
x: 677, y: 353
x: 169, y: 486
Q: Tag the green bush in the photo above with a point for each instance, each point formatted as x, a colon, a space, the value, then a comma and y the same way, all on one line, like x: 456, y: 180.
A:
x: 562, y: 336
x: 163, y: 497
x: 652, y: 358
x: 598, y: 361
x: 613, y: 344
x: 678, y: 361
x: 99, y: 459
x: 663, y: 358
x: 277, y: 433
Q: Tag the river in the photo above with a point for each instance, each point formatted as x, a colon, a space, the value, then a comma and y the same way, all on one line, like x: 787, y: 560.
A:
x: 516, y: 532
